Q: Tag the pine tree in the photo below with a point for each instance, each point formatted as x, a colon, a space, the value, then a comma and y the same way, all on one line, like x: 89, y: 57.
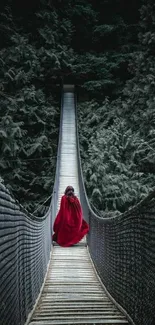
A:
x: 44, y: 43
x: 29, y: 124
x: 119, y: 157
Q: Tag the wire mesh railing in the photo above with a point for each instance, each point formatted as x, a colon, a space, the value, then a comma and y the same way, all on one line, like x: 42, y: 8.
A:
x: 123, y: 251
x: 25, y: 244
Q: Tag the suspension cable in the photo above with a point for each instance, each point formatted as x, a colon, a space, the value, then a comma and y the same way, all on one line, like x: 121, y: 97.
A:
x: 42, y: 203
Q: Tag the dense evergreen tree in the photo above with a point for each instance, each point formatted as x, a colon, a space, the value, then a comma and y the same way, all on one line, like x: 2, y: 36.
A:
x: 89, y: 43
x: 101, y: 64
x: 119, y: 159
x: 29, y: 117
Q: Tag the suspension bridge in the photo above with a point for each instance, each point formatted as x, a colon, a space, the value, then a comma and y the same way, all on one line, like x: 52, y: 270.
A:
x: 108, y: 278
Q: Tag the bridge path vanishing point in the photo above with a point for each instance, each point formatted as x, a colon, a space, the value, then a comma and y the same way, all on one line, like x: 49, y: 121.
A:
x: 73, y: 293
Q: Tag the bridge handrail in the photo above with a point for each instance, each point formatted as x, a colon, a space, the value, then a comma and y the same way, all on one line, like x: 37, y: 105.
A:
x: 25, y: 244
x: 122, y: 248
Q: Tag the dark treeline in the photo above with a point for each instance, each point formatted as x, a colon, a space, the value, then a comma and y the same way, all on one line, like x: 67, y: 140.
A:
x: 102, y: 47
x: 119, y: 158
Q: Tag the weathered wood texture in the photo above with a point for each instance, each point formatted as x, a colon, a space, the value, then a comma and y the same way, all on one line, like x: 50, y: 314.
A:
x: 73, y: 294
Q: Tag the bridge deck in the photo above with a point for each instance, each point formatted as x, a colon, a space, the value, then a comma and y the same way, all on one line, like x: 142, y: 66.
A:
x: 73, y: 294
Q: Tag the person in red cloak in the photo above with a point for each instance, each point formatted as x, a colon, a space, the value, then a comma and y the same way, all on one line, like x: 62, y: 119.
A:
x: 69, y: 226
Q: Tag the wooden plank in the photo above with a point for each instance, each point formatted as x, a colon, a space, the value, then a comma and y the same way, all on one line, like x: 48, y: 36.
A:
x: 80, y: 322
x: 72, y: 293
x: 74, y: 302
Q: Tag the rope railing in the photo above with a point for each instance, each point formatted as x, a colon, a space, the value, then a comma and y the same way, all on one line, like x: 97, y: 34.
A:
x: 25, y: 244
x: 123, y: 251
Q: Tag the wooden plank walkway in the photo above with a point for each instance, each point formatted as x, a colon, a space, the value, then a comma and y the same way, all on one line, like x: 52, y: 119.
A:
x: 73, y: 294
x: 68, y: 155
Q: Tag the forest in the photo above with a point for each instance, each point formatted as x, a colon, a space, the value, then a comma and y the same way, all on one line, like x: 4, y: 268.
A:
x: 107, y: 49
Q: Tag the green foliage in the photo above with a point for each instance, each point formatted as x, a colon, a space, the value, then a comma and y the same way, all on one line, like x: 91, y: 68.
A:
x: 29, y: 122
x: 118, y: 137
x: 113, y: 159
x: 45, y: 43
x: 28, y: 141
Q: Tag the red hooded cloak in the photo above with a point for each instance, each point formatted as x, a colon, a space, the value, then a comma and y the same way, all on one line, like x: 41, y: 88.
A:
x: 69, y: 226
